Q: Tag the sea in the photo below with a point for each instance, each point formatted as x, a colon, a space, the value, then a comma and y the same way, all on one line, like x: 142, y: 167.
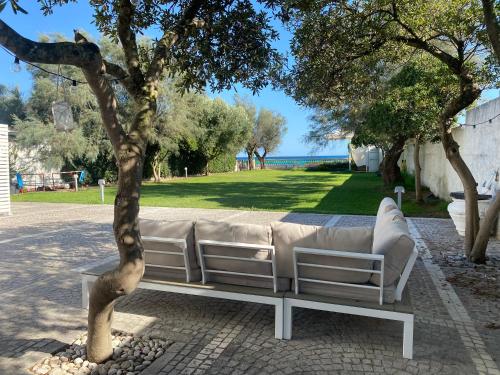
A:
x: 298, y: 161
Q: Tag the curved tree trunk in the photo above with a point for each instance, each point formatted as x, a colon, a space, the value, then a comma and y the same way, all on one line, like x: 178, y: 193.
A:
x: 156, y: 164
x: 469, y: 92
x: 391, y: 173
x: 129, y: 151
x: 261, y: 158
x: 418, y: 171
x: 478, y: 253
x: 123, y: 280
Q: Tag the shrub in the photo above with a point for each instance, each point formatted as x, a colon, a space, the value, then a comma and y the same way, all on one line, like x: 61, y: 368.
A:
x: 330, y: 166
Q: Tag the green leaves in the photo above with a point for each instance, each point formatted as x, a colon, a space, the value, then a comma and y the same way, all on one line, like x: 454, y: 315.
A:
x: 14, y: 4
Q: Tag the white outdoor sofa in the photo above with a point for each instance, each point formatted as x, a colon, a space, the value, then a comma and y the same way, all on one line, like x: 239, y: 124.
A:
x: 360, y: 271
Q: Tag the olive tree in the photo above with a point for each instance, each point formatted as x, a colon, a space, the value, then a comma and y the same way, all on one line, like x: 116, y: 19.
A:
x: 270, y: 128
x: 221, y: 129
x: 206, y: 42
x: 336, y: 42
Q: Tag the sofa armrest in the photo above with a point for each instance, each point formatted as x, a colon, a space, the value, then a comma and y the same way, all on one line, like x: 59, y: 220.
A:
x: 338, y: 254
x: 179, y: 242
x: 237, y: 245
x: 406, y: 274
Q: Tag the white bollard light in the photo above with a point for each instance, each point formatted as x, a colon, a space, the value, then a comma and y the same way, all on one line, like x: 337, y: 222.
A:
x: 186, y: 171
x: 75, y: 179
x: 399, y: 190
x: 101, y: 183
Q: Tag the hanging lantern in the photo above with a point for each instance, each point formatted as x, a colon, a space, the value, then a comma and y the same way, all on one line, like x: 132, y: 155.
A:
x: 63, y: 116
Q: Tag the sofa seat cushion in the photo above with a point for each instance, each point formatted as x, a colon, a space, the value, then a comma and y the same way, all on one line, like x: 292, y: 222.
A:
x: 242, y: 233
x: 286, y: 236
x: 392, y: 239
x: 182, y: 229
x: 256, y: 282
x: 347, y: 292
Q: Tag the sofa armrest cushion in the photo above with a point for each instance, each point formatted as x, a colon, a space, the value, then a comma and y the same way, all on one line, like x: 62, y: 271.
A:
x: 286, y: 236
x: 392, y: 239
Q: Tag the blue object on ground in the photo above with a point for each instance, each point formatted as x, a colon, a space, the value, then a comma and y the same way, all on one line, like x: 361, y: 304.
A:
x: 82, y: 177
x: 19, y: 178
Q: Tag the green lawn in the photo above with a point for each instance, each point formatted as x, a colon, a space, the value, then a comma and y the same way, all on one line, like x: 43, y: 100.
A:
x: 292, y: 190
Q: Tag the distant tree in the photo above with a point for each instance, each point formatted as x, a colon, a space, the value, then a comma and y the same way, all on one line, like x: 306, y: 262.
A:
x: 270, y: 129
x: 252, y: 144
x: 11, y: 104
x: 175, y: 120
x: 220, y: 129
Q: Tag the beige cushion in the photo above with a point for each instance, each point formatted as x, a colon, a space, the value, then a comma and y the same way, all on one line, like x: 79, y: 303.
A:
x: 182, y: 229
x: 243, y: 233
x: 392, y: 239
x: 286, y: 236
x: 351, y: 292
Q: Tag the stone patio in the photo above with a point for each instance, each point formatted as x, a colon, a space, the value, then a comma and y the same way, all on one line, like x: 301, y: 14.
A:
x: 44, y: 246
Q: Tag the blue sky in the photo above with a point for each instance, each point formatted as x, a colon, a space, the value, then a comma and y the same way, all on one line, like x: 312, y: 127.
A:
x: 79, y: 16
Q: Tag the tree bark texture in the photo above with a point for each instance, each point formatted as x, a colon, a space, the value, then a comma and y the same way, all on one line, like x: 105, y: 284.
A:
x: 391, y: 173
x: 418, y: 171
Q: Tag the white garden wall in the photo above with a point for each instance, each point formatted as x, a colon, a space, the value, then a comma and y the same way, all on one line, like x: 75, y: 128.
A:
x: 479, y: 146
x: 4, y: 171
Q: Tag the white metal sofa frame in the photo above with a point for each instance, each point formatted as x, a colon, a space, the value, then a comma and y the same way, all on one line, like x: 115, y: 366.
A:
x: 283, y: 302
x: 256, y: 295
x: 365, y: 309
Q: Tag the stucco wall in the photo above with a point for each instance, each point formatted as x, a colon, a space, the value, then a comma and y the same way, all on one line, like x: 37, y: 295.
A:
x: 479, y: 147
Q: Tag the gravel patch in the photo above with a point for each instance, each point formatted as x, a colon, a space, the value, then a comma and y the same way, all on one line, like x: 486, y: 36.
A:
x: 131, y: 355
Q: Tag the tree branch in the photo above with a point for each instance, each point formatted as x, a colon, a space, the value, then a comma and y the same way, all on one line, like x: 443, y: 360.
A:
x: 129, y: 44
x: 84, y: 55
x: 64, y: 53
x: 492, y: 26
x: 119, y: 73
x: 168, y: 40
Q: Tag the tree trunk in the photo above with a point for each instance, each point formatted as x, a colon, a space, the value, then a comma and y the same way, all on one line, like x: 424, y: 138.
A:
x: 492, y: 26
x: 251, y: 160
x: 390, y: 168
x: 124, y: 279
x: 478, y: 253
x: 418, y: 171
x: 129, y: 150
x: 207, y: 170
x: 262, y: 162
x: 156, y: 170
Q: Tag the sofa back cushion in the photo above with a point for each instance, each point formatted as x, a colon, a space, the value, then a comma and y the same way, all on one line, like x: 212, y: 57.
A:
x: 181, y: 229
x: 392, y: 239
x: 235, y: 232
x: 286, y: 236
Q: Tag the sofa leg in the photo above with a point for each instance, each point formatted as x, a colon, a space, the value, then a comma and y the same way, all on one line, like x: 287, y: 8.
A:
x: 287, y: 324
x: 278, y: 320
x: 408, y: 338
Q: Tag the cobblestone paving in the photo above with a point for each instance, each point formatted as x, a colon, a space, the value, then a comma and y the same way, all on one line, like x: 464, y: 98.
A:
x: 44, y: 245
